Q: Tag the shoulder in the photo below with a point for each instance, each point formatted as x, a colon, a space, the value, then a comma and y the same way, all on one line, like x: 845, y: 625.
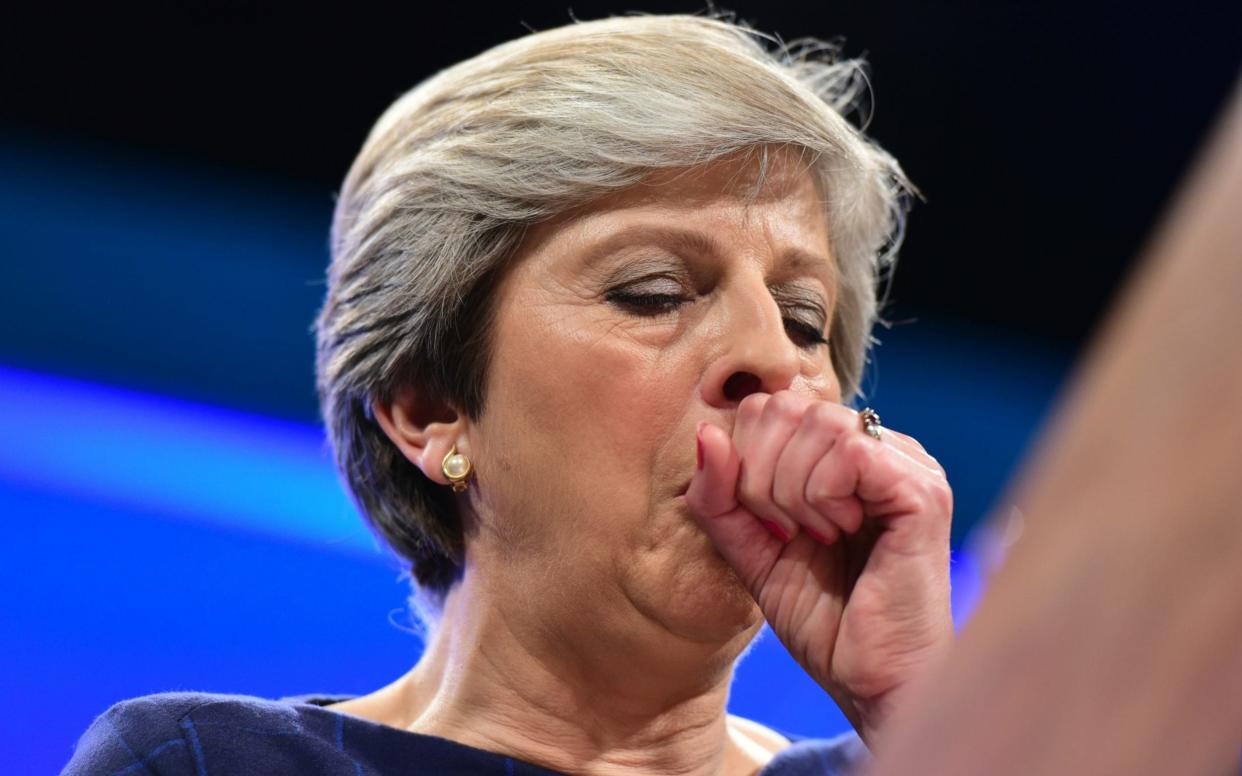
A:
x: 174, y: 732
x: 139, y: 733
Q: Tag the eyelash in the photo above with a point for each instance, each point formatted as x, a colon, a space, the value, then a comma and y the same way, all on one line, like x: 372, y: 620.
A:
x: 659, y: 304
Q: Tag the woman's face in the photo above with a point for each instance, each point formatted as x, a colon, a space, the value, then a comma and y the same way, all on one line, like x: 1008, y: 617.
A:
x: 618, y: 329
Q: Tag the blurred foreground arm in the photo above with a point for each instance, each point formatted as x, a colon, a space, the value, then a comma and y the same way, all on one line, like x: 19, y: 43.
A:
x: 1111, y: 640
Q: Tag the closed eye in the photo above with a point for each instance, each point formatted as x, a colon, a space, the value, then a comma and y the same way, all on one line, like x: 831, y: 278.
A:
x: 653, y: 305
x: 646, y: 304
x: 809, y: 332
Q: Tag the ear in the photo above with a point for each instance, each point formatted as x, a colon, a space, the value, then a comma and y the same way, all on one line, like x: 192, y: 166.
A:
x: 423, y: 430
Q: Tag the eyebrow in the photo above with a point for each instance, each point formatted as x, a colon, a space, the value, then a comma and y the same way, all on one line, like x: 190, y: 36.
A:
x: 702, y: 244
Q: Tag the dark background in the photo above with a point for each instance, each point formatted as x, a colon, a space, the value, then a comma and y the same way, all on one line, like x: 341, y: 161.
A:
x: 1045, y: 136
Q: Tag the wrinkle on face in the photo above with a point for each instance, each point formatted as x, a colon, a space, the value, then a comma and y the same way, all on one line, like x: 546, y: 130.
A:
x: 600, y: 404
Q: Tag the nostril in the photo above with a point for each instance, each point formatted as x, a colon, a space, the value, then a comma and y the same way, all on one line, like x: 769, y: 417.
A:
x: 740, y: 385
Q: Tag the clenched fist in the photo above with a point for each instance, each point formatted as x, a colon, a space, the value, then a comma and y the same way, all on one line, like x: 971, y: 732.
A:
x: 842, y: 539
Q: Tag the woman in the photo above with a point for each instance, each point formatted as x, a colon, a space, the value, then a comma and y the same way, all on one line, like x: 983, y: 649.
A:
x: 598, y: 299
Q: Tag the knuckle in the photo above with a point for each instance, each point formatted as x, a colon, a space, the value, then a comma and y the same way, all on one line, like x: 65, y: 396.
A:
x: 751, y: 406
x: 849, y: 515
x: 940, y: 495
x: 820, y: 497
x: 856, y: 447
x: 788, y: 497
x: 784, y: 406
x: 946, y: 494
x: 822, y: 417
x: 843, y: 513
x: 750, y: 492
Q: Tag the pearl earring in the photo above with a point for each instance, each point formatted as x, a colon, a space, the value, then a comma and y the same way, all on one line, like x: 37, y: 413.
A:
x: 457, y: 468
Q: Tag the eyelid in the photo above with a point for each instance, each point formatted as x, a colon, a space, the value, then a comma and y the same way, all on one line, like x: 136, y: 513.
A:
x: 661, y: 283
x: 645, y: 287
x: 806, y: 313
x: 799, y: 299
x: 647, y: 266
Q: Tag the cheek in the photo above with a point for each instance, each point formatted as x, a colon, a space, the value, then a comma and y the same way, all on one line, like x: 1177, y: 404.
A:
x: 585, y: 413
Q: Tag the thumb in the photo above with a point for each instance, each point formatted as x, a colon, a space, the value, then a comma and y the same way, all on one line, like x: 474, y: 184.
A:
x: 739, y: 536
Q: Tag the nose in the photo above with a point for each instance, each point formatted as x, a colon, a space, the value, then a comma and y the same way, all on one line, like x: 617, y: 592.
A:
x: 754, y: 354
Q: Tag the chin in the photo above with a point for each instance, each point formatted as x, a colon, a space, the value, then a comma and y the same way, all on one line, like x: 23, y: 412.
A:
x: 702, y: 599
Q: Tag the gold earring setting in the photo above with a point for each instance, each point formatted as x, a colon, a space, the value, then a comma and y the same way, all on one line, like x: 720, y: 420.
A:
x: 457, y: 468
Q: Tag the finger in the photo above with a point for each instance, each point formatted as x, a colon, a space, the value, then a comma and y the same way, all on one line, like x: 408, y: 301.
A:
x: 741, y: 540
x: 749, y: 414
x: 913, y: 449
x: 908, y: 445
x: 712, y: 491
x: 819, y: 428
x: 859, y: 476
x: 836, y: 484
x: 778, y: 422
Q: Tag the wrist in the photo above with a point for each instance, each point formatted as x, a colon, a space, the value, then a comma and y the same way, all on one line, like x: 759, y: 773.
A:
x: 873, y: 713
x: 872, y: 716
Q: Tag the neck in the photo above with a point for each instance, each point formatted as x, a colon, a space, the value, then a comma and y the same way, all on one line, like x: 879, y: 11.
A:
x: 619, y: 696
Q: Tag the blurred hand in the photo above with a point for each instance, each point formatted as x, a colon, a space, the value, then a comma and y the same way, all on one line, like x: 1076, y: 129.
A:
x: 842, y: 539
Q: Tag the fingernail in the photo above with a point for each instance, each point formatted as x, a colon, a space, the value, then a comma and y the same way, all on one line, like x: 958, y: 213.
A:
x: 816, y: 535
x: 698, y: 439
x: 776, y: 530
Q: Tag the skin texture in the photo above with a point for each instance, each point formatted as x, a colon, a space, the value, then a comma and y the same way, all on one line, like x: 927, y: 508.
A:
x: 601, y: 561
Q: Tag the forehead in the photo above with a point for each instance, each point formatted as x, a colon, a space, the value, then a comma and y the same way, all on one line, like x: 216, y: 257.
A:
x: 749, y: 177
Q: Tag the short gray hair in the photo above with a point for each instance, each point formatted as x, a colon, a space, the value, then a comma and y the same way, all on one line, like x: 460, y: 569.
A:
x: 456, y: 170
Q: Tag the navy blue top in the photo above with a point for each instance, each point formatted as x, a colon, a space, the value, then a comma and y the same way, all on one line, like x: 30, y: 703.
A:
x: 216, y: 734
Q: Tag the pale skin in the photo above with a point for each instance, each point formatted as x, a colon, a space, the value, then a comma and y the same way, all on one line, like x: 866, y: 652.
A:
x: 610, y: 580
